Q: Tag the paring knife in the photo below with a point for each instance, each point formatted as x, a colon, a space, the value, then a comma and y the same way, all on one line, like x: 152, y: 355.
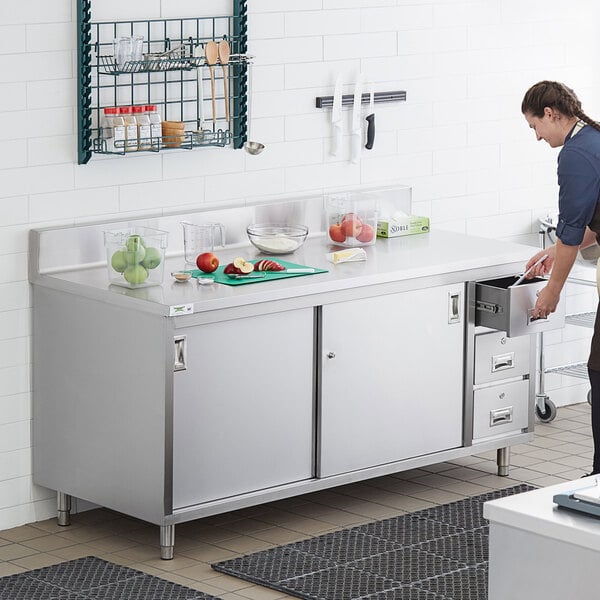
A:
x: 356, y: 138
x: 336, y: 117
x: 371, y: 120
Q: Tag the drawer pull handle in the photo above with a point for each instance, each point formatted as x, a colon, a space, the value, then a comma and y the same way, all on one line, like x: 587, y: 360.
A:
x: 489, y: 307
x: 501, y: 362
x: 501, y: 416
x: 531, y: 320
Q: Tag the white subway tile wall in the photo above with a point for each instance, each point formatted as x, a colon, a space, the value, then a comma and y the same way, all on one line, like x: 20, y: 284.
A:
x: 459, y: 141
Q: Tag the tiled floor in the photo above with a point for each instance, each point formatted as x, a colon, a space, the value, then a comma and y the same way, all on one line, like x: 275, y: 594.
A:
x: 561, y: 451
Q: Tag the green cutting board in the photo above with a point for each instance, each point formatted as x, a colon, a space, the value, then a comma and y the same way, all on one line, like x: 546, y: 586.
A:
x: 220, y: 277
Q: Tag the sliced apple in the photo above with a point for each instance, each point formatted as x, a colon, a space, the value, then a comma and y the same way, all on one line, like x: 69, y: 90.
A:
x: 268, y: 265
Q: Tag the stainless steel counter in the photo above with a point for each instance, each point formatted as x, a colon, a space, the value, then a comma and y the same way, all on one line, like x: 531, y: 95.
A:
x: 440, y: 256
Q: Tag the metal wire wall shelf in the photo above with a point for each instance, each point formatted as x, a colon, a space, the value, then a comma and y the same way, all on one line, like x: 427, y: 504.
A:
x: 173, y: 74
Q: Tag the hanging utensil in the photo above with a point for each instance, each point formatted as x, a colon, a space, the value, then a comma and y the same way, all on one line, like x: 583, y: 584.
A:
x: 336, y: 117
x: 198, y: 53
x: 211, y: 53
x: 224, y: 53
x: 371, y: 120
x: 250, y: 146
x: 356, y: 138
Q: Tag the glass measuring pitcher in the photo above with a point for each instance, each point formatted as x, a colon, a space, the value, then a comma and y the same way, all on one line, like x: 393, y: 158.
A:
x: 201, y: 238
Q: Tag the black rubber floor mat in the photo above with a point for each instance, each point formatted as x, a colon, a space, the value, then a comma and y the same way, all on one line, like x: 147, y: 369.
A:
x: 92, y: 578
x: 438, y: 553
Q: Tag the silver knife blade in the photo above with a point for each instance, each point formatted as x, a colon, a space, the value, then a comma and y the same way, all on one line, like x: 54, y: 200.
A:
x: 336, y: 117
x: 356, y: 119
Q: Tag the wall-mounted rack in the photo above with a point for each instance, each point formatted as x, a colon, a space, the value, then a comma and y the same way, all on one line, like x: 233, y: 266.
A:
x: 164, y: 78
x: 348, y: 99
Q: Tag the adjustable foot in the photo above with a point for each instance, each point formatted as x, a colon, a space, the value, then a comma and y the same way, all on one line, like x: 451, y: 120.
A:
x: 503, y: 461
x: 167, y: 541
x: 63, y: 509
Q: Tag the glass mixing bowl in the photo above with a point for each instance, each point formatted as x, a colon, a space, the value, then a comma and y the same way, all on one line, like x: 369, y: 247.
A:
x: 274, y: 238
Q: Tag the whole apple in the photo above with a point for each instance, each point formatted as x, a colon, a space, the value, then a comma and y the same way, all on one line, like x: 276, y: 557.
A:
x: 336, y: 234
x: 151, y: 258
x: 207, y: 262
x: 366, y: 235
x: 135, y: 274
x: 351, y: 225
x: 118, y: 261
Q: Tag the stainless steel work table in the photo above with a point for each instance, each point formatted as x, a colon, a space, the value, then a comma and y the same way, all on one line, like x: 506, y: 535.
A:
x: 116, y: 424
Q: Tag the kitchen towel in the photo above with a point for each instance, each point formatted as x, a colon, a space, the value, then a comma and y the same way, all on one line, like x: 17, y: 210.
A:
x: 432, y: 554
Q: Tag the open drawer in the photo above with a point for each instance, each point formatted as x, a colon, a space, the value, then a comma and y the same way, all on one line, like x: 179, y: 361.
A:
x: 505, y: 308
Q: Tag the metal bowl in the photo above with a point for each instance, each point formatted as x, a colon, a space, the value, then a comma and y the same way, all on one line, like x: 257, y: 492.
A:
x: 274, y: 238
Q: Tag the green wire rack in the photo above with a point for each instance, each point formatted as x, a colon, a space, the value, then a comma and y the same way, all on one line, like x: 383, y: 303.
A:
x: 167, y: 76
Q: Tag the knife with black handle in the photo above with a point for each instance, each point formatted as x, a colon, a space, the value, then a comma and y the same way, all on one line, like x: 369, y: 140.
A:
x: 371, y: 122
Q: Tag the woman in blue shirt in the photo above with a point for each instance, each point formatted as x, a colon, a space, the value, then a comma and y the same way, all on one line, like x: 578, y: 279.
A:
x: 554, y: 112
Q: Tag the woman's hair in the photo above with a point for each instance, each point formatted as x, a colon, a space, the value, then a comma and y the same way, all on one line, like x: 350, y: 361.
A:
x: 555, y: 95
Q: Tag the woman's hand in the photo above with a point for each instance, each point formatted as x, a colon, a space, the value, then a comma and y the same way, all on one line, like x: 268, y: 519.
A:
x: 546, y: 303
x: 543, y: 268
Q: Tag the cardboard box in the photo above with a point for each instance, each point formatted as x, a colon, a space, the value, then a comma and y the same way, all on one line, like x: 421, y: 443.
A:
x: 407, y: 225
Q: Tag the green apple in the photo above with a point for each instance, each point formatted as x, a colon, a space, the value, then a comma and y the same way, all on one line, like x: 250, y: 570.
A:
x: 152, y: 258
x: 134, y: 242
x: 134, y: 257
x: 118, y: 261
x: 135, y: 274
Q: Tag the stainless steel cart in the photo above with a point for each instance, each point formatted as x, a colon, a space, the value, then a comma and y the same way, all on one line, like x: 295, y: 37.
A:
x: 545, y: 409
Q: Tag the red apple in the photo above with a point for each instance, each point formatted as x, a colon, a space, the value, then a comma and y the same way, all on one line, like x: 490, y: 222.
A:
x: 366, y: 234
x: 351, y: 225
x: 336, y: 234
x: 207, y: 262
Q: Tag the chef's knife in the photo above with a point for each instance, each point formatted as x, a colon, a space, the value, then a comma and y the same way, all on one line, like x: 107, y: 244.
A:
x: 356, y: 137
x: 371, y: 120
x: 336, y: 117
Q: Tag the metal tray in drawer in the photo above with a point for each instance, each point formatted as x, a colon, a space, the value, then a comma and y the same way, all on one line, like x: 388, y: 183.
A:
x: 505, y: 308
x: 500, y: 409
x: 499, y: 357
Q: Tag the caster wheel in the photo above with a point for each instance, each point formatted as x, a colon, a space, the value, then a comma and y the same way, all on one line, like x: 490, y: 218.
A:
x: 549, y: 412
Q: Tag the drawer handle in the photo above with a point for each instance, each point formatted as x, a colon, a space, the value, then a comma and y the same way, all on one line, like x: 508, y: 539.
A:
x: 532, y: 320
x: 501, y: 362
x: 489, y: 307
x: 500, y: 416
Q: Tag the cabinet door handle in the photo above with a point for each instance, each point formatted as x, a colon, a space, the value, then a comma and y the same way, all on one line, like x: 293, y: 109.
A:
x: 180, y: 346
x: 454, y: 307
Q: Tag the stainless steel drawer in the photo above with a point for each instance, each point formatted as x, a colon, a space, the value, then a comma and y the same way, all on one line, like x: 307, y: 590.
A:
x: 499, y: 357
x: 500, y: 409
x: 505, y: 308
